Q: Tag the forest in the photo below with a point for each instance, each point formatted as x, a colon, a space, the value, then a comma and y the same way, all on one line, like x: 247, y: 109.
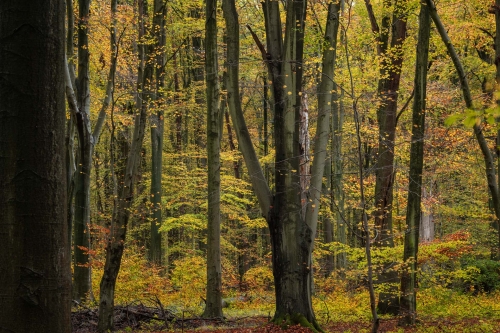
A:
x: 249, y: 166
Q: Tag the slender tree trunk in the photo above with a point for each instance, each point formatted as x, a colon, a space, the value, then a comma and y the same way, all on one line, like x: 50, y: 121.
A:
x: 35, y: 272
x: 157, y: 127
x: 408, y: 299
x: 80, y: 108
x: 391, y: 56
x: 495, y: 253
x: 362, y: 210
x: 70, y: 126
x: 121, y: 212
x: 213, y: 307
x: 336, y: 183
x: 81, y: 267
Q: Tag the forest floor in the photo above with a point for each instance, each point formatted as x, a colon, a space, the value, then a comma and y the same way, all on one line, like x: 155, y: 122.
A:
x: 139, y: 318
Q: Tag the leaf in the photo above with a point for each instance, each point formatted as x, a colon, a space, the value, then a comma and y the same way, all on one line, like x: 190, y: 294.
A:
x: 451, y: 120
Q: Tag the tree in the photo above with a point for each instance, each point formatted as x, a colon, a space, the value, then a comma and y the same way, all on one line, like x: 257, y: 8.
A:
x: 213, y: 307
x: 496, y: 224
x: 391, y: 60
x: 408, y: 300
x: 123, y: 201
x: 157, y: 128
x: 34, y: 262
x: 81, y: 268
x: 87, y: 140
x: 292, y: 231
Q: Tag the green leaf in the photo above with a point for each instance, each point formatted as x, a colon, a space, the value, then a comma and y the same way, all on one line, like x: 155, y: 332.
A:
x: 471, y: 120
x: 451, y: 120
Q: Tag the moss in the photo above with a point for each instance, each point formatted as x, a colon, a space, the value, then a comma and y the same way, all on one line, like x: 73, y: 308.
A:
x: 297, y: 319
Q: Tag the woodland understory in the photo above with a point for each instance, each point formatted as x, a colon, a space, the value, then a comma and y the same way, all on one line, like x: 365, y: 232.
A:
x: 352, y: 56
x: 247, y: 166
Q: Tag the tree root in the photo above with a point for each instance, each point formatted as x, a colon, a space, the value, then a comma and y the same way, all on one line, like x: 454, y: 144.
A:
x: 297, y: 319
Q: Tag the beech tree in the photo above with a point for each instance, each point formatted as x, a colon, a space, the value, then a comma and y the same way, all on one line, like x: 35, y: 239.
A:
x: 292, y: 220
x: 389, y: 36
x: 34, y: 261
x: 408, y: 300
x: 157, y: 130
x: 115, y: 242
x: 213, y: 307
x: 78, y: 94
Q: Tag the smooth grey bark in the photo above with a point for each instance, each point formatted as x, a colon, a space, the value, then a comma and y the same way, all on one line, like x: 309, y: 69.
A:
x: 213, y: 305
x: 408, y: 298
x: 157, y: 129
x: 426, y: 231
x: 35, y: 272
x: 121, y: 211
x: 489, y: 160
x: 231, y: 82
x: 325, y: 99
x: 257, y: 178
x: 292, y: 235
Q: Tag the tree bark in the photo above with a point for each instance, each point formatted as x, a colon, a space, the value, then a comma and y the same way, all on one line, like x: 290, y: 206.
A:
x: 81, y: 267
x: 213, y: 306
x: 157, y: 128
x: 292, y: 235
x: 495, y: 253
x: 121, y: 212
x: 34, y: 261
x: 388, y: 89
x: 408, y: 299
x: 70, y: 124
x: 80, y: 108
x: 325, y: 99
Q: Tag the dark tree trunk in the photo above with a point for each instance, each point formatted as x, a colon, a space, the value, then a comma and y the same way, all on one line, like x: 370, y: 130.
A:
x: 121, y: 211
x: 388, y: 89
x: 408, y: 300
x: 81, y: 268
x: 70, y: 124
x: 34, y: 260
x: 495, y: 253
x: 213, y: 306
x: 157, y: 126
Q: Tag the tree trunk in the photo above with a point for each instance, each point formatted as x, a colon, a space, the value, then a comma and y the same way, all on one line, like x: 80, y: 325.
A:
x: 387, y: 91
x: 81, y: 267
x: 426, y: 231
x: 337, y: 175
x: 70, y: 125
x: 408, y: 299
x: 80, y: 109
x: 157, y: 127
x: 495, y: 253
x: 292, y: 236
x: 121, y: 212
x: 34, y: 261
x: 213, y: 306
